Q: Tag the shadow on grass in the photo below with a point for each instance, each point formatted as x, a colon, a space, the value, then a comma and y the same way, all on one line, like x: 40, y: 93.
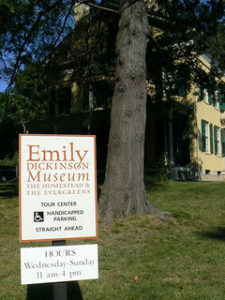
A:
x: 46, y: 291
x: 218, y: 233
x: 9, y: 189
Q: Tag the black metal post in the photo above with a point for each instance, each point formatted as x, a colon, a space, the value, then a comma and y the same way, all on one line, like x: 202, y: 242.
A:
x: 60, y: 291
x: 59, y: 288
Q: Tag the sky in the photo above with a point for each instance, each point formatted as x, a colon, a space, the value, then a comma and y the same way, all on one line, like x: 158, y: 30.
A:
x: 3, y: 86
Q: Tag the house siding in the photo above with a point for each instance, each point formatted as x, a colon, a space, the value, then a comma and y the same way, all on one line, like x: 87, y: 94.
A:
x: 210, y: 161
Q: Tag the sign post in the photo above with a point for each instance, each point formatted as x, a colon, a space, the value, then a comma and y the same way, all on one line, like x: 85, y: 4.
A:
x: 58, y: 202
x: 59, y: 289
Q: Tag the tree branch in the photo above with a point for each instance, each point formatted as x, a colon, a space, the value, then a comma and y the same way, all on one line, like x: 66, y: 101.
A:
x: 26, y: 40
x: 63, y: 26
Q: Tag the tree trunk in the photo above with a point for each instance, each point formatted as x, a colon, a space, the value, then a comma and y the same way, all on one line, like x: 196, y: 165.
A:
x: 123, y: 191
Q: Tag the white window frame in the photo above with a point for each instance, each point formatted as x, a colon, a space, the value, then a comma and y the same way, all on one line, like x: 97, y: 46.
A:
x: 217, y: 99
x: 206, y: 136
x: 205, y: 96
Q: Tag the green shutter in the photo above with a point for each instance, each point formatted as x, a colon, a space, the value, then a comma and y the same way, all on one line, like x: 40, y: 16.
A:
x: 222, y: 100
x: 182, y: 88
x: 202, y: 94
x: 203, y: 136
x: 223, y: 141
x: 182, y: 91
x: 210, y: 99
x: 215, y: 139
x: 214, y: 99
x: 211, y: 138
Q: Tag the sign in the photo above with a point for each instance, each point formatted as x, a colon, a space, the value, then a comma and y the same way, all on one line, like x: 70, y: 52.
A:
x: 57, y: 264
x: 58, y: 190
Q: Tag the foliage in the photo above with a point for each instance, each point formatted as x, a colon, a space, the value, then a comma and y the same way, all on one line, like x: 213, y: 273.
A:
x: 29, y: 30
x: 216, y: 45
x: 177, y: 37
x: 159, y: 177
x: 27, y: 101
x: 10, y: 162
x: 28, y: 98
x: 88, y: 52
x: 9, y: 138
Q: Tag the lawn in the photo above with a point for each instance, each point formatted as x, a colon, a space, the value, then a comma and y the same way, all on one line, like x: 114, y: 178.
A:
x: 141, y: 257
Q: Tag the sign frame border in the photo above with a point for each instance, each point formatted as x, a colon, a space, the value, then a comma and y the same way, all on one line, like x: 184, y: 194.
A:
x: 20, y: 189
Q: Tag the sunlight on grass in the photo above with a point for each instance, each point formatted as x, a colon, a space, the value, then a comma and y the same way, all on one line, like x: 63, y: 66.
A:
x: 142, y: 257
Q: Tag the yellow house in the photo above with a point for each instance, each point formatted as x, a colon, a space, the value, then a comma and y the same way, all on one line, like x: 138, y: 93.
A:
x: 207, y: 143
x: 206, y: 129
x: 186, y: 132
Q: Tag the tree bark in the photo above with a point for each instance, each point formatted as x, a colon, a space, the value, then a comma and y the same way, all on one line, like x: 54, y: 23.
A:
x: 123, y: 192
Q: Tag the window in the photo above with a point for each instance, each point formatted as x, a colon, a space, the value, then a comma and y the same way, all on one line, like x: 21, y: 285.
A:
x: 210, y: 97
x: 204, y: 94
x: 98, y: 94
x: 216, y: 139
x: 63, y: 101
x: 211, y: 138
x: 205, y: 136
x: 222, y: 99
x: 214, y: 97
x: 177, y: 83
x: 217, y: 102
x: 223, y: 141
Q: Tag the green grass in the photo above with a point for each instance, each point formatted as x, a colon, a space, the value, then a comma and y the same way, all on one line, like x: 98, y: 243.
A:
x: 141, y: 257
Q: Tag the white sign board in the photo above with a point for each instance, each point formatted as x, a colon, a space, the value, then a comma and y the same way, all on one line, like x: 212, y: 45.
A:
x: 57, y: 264
x: 58, y: 190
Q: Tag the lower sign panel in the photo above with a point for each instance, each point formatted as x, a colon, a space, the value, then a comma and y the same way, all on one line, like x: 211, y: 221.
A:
x: 58, y: 264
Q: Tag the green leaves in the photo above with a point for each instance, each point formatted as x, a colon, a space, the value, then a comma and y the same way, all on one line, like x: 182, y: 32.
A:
x: 28, y: 98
